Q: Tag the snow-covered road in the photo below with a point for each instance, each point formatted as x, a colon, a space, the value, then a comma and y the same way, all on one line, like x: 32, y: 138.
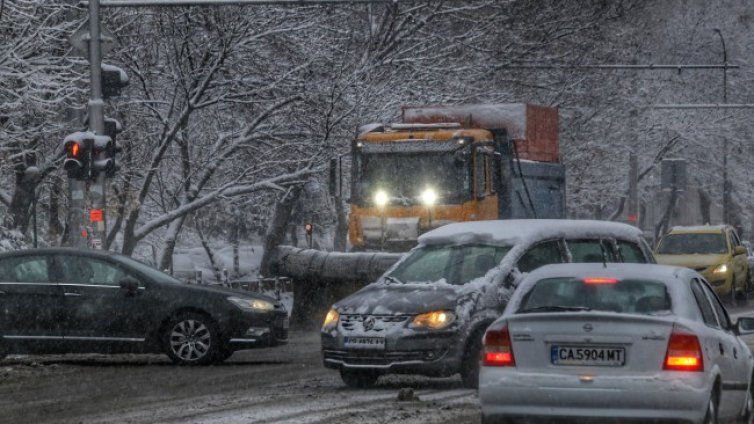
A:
x: 280, y: 385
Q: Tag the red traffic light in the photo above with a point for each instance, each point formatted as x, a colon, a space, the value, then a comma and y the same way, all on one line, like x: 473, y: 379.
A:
x: 78, y: 147
x: 74, y: 149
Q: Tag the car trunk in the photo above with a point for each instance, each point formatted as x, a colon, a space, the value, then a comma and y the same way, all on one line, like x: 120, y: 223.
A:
x: 583, y: 342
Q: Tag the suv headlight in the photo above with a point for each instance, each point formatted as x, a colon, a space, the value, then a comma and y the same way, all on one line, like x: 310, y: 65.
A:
x: 331, y: 319
x: 435, y: 320
x: 722, y: 268
x: 256, y: 305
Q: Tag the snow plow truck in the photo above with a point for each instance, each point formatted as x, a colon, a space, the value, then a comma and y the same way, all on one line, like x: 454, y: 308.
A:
x: 449, y: 164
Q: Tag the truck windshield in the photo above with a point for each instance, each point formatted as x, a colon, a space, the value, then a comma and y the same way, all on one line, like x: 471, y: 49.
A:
x: 403, y: 177
x: 453, y: 264
x: 678, y: 244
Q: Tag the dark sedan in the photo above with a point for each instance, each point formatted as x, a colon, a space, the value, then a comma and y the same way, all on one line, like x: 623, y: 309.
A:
x: 78, y: 301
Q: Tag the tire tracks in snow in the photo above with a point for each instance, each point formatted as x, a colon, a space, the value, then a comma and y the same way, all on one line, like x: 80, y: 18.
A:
x: 331, y: 407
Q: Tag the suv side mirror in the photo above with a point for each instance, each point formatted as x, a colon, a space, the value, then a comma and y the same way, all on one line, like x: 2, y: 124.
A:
x: 740, y: 250
x: 512, y: 278
x: 130, y: 285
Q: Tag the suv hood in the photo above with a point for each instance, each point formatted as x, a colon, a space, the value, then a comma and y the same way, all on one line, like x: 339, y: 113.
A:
x: 695, y: 261
x: 398, y: 299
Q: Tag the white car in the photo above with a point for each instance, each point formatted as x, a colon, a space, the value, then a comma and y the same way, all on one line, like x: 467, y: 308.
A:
x: 616, y: 341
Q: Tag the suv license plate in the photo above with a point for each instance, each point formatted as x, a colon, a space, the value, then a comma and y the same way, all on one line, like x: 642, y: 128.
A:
x: 596, y: 356
x: 364, y: 343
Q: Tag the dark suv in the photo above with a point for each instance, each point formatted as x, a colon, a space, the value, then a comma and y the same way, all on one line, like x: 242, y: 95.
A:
x: 69, y: 300
x: 426, y: 315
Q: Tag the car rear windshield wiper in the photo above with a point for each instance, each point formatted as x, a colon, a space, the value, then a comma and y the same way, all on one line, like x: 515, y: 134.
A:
x: 555, y: 308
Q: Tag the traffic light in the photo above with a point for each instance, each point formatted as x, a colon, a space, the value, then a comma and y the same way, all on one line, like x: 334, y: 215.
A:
x: 102, y: 156
x: 113, y: 80
x: 112, y: 129
x: 78, y: 154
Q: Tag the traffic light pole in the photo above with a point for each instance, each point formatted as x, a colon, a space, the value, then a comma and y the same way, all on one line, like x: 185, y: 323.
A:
x: 96, y: 124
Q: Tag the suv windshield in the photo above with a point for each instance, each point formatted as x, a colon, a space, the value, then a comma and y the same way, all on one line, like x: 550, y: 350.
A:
x: 455, y: 264
x: 693, y: 243
x: 571, y: 294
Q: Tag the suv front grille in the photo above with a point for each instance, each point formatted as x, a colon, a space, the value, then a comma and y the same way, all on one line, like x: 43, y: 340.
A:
x: 378, y: 322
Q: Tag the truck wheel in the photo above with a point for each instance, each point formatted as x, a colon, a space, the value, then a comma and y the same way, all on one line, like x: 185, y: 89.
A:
x: 470, y: 363
x: 192, y: 339
x: 359, y: 379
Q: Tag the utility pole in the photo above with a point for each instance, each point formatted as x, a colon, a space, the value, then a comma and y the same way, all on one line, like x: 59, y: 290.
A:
x: 726, y: 182
x: 96, y: 125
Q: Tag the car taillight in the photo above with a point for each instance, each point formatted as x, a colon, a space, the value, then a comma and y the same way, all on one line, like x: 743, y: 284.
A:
x: 498, y: 351
x: 684, y: 352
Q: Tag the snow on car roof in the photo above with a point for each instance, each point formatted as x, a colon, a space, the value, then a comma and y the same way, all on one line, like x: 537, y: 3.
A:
x: 513, y: 231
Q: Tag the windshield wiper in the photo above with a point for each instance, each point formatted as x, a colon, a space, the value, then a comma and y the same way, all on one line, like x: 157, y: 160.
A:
x: 555, y: 308
x: 393, y: 279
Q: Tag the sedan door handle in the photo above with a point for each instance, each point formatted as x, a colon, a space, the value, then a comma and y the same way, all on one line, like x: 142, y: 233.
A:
x: 72, y: 294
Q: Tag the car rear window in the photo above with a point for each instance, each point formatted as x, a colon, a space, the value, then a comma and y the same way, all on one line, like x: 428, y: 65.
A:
x: 597, y: 294
x: 590, y: 251
x: 631, y: 252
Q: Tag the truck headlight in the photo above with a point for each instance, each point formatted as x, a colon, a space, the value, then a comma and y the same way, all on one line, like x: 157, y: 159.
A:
x: 435, y: 320
x: 380, y: 198
x: 331, y: 319
x: 428, y: 197
x: 256, y: 305
x: 720, y: 269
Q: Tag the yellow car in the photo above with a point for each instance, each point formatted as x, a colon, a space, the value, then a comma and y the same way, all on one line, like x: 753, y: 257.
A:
x: 715, y: 251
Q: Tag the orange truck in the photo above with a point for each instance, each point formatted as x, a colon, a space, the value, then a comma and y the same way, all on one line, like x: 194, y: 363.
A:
x: 446, y: 164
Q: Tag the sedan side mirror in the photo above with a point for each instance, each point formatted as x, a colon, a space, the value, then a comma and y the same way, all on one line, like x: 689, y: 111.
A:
x: 740, y: 250
x: 130, y: 285
x: 745, y: 326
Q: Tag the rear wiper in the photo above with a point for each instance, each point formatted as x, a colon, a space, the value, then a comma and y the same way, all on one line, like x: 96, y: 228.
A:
x: 393, y: 279
x: 555, y: 309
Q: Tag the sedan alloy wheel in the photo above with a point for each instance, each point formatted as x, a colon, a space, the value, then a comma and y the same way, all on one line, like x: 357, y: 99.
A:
x: 191, y: 339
